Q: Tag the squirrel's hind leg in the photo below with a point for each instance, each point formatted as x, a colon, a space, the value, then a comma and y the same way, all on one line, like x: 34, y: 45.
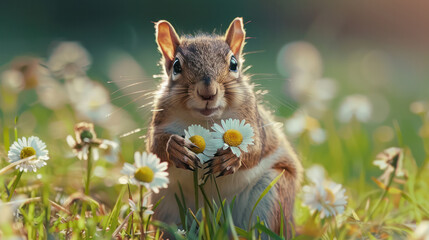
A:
x: 266, y: 209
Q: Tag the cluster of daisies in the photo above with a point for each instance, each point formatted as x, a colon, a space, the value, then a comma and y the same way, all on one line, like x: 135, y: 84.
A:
x: 231, y: 133
x: 322, y: 195
x: 302, y: 65
x: 328, y: 198
x: 149, y: 172
x: 31, y: 154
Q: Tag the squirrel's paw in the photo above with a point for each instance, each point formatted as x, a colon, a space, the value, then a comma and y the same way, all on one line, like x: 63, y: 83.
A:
x: 179, y: 154
x: 224, y: 162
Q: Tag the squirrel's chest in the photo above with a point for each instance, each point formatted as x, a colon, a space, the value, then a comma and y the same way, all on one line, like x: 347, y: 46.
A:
x: 230, y: 185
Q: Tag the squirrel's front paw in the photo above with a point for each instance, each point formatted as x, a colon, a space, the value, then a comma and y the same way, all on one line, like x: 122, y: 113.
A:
x: 179, y: 154
x: 224, y: 162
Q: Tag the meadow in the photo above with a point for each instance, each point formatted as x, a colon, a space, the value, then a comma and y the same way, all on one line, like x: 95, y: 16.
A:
x: 71, y: 122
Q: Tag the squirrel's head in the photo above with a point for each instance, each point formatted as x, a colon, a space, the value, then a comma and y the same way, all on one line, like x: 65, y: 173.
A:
x: 204, y: 72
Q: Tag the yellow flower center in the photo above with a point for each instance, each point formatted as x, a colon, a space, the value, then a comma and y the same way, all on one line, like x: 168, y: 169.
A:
x: 330, y: 196
x: 233, y: 137
x: 27, y: 152
x: 144, y: 174
x: 200, y: 142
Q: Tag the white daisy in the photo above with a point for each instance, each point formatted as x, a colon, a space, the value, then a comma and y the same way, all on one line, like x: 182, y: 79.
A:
x: 12, y: 80
x: 233, y: 134
x: 302, y: 64
x: 314, y: 94
x: 204, y: 140
x: 148, y: 171
x: 50, y: 92
x: 299, y: 57
x: 301, y: 123
x: 90, y: 99
x: 68, y: 60
x: 326, y: 197
x: 79, y: 150
x: 29, y: 69
x: 85, y: 137
x: 111, y: 150
x: 355, y: 107
x: 386, y: 161
x: 32, y: 149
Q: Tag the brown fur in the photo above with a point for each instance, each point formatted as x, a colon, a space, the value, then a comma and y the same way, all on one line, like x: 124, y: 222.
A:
x: 205, y: 70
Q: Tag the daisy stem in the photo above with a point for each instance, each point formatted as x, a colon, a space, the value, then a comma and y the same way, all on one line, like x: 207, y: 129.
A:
x: 88, y: 171
x: 386, y: 190
x: 15, y: 183
x: 140, y: 205
x: 87, y: 180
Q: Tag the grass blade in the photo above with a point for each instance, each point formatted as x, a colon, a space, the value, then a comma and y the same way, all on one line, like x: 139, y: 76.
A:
x: 181, y: 210
x: 266, y: 190
x: 267, y: 231
x: 115, y: 211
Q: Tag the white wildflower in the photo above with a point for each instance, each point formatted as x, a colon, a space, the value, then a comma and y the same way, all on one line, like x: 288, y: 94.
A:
x: 85, y: 137
x: 299, y: 57
x: 355, y: 107
x: 111, y: 150
x: 386, y: 161
x: 301, y: 123
x: 32, y: 149
x: 233, y: 134
x: 302, y: 64
x: 322, y: 195
x: 68, y: 60
x: 203, y: 139
x: 90, y: 99
x: 314, y: 94
x: 51, y: 93
x: 148, y: 170
x: 327, y: 198
x: 12, y: 80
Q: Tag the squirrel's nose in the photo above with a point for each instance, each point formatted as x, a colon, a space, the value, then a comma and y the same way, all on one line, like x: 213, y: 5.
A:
x: 207, y: 95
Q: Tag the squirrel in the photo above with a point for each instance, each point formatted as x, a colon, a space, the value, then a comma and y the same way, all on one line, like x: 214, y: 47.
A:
x: 203, y: 82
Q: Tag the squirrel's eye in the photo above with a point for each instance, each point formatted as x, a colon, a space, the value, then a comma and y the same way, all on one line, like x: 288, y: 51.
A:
x: 176, y: 67
x: 233, y: 64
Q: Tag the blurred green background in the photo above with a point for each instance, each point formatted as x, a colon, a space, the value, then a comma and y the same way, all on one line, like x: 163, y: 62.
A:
x: 375, y: 48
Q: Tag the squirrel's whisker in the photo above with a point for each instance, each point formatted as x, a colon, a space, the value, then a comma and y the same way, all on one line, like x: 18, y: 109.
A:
x: 125, y: 87
x: 134, y: 100
x: 133, y: 93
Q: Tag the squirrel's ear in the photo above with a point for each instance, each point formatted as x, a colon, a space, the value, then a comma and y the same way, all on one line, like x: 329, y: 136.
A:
x: 235, y: 36
x: 167, y: 40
